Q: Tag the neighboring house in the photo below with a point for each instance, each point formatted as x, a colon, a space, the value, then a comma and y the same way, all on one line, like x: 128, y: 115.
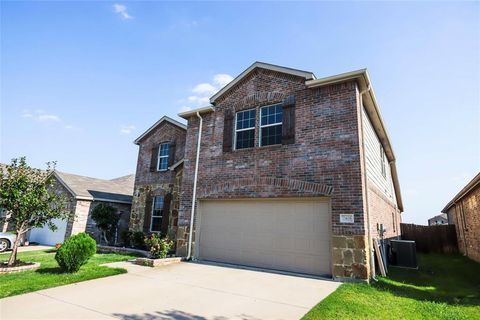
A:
x: 83, y: 194
x: 293, y: 173
x: 158, y: 178
x: 464, y: 212
x: 438, y: 220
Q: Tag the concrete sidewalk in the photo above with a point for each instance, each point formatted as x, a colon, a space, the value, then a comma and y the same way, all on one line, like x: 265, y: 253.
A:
x: 187, y: 291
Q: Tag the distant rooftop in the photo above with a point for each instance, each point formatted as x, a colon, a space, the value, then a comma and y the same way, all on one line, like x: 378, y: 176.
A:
x: 116, y: 190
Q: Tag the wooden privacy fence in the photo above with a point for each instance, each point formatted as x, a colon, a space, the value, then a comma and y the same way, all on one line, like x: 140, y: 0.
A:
x: 435, y: 239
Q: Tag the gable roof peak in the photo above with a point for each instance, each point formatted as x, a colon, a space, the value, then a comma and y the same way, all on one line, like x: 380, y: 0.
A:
x: 263, y: 65
x: 156, y: 124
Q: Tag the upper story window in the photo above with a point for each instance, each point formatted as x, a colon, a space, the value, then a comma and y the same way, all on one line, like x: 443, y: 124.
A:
x: 163, y: 153
x: 157, y: 214
x: 245, y: 129
x: 382, y: 162
x: 271, y: 125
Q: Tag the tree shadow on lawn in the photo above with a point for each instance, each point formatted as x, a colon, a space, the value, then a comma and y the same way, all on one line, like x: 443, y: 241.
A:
x: 451, y: 279
x: 53, y: 270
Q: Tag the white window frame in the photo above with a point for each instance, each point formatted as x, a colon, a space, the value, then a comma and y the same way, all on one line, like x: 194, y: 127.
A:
x: 161, y: 157
x: 244, y: 129
x: 153, y: 210
x: 266, y: 125
x: 383, y: 164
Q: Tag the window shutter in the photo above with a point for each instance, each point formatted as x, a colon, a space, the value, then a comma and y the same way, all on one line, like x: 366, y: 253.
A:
x: 227, y: 131
x: 166, y: 214
x: 171, y: 153
x: 147, y: 217
x: 288, y: 120
x: 154, y: 159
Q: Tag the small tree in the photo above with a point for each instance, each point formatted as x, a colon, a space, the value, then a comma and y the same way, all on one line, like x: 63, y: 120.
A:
x: 29, y: 197
x: 106, y: 219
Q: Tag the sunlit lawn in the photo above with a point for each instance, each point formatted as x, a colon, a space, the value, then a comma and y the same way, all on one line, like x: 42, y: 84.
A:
x: 444, y: 287
x: 49, y: 274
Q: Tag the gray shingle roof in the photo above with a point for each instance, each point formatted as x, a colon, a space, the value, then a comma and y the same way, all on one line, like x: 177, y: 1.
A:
x: 117, y: 190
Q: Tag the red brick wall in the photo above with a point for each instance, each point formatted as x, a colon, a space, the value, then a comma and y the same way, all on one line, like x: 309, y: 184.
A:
x: 467, y: 222
x: 166, y: 132
x: 325, y: 153
x: 382, y: 211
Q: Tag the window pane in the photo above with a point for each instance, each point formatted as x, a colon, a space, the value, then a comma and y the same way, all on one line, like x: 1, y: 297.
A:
x: 163, y: 163
x: 246, y: 119
x: 156, y: 224
x: 271, y: 115
x: 271, y: 135
x: 164, y: 149
x: 158, y: 203
x: 245, y: 139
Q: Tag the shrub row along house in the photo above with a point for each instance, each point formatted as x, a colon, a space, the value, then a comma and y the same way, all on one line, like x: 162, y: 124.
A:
x: 83, y: 194
x: 282, y: 171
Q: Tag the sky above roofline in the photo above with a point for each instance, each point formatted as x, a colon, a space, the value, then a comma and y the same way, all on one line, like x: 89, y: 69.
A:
x: 81, y: 80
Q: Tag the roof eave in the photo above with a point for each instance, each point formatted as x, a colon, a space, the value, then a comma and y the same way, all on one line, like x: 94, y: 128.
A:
x: 301, y: 73
x: 469, y: 187
x: 162, y: 119
x: 187, y: 114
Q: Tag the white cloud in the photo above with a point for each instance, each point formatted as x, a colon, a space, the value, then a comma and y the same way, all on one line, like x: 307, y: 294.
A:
x: 122, y: 11
x: 48, y: 117
x: 184, y: 109
x: 203, y: 91
x: 40, y: 116
x: 127, y: 129
x: 222, y: 79
x: 27, y: 114
x: 204, y: 88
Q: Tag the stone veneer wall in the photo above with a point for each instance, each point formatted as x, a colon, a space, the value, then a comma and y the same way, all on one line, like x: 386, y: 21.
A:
x: 139, y: 202
x: 325, y: 155
x: 350, y: 257
x: 78, y: 219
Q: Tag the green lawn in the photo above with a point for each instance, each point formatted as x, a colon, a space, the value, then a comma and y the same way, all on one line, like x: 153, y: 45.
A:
x: 444, y: 287
x: 49, y: 274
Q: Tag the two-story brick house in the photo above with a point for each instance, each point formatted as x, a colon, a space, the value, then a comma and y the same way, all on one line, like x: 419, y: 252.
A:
x: 285, y: 171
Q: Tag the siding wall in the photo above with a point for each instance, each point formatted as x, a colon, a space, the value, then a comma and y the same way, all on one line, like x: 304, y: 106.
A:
x: 382, y: 204
x: 374, y: 162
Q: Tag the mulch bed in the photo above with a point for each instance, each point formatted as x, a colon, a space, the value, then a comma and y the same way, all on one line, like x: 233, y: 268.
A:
x: 18, y: 266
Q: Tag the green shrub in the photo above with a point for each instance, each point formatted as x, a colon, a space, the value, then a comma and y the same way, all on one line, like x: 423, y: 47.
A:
x: 138, y: 240
x: 75, y: 252
x: 126, y: 237
x: 106, y: 219
x: 159, y: 247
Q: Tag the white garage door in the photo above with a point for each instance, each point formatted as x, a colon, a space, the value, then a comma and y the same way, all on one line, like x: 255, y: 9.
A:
x: 48, y: 237
x: 290, y: 235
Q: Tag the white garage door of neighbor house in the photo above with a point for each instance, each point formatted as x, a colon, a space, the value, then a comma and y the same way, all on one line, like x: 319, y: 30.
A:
x: 289, y: 235
x: 46, y: 236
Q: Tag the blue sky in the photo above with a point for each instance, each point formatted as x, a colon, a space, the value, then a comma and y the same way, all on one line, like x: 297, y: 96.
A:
x: 81, y: 80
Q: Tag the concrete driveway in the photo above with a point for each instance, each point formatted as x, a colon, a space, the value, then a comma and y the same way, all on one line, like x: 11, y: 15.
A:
x: 186, y: 291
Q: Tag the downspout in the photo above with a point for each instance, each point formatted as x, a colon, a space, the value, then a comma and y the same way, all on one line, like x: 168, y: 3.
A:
x: 194, y: 196
x: 369, y: 233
